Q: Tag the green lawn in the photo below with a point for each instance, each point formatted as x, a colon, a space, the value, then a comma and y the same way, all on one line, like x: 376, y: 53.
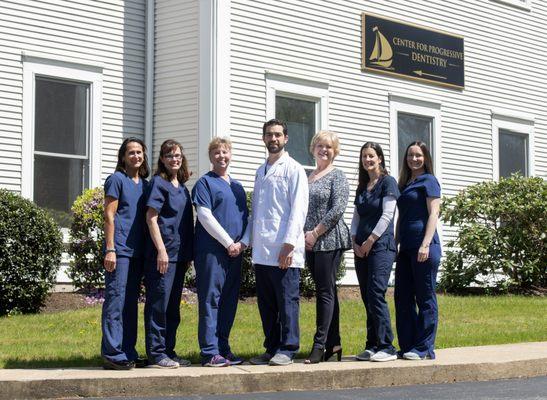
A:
x: 73, y: 338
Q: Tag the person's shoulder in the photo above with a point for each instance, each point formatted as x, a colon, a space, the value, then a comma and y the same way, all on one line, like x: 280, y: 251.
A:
x: 117, y: 176
x: 389, y: 181
x: 429, y: 179
x: 157, y: 181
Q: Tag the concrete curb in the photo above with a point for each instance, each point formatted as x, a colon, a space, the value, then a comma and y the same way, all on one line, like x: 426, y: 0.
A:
x: 482, y: 363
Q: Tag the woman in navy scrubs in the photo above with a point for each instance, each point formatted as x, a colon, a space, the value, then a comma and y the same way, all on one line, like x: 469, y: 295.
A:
x: 222, y: 213
x: 419, y: 254
x: 374, y: 247
x: 168, y: 254
x: 124, y: 229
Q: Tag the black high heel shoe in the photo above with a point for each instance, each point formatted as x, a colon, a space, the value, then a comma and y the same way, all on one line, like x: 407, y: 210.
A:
x: 332, y: 351
x: 316, y: 356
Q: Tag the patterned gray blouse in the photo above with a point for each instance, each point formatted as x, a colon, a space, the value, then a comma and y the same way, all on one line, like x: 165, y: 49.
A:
x: 328, y: 200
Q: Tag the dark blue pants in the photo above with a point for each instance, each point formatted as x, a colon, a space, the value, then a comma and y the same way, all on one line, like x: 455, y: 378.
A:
x: 278, y: 298
x: 120, y: 312
x: 415, y: 286
x: 323, y: 266
x: 162, y: 308
x: 218, y: 278
x: 373, y: 276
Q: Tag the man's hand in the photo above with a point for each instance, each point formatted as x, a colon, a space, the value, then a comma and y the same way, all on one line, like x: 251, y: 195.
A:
x: 286, y: 255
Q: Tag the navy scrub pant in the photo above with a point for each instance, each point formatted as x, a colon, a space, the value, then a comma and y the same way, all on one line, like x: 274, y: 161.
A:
x: 218, y: 278
x: 373, y: 275
x: 162, y: 308
x: 323, y: 266
x: 415, y: 284
x: 119, y: 316
x: 278, y: 298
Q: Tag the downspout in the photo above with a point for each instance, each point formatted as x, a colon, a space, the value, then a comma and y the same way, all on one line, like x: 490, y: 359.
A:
x: 149, y: 77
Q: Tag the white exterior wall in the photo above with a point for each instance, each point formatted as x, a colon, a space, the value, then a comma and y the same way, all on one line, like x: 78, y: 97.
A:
x: 105, y: 33
x: 176, y: 79
x: 505, y: 68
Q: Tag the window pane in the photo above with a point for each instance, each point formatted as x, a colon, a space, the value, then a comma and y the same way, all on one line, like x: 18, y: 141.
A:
x: 61, y: 117
x: 57, y: 183
x: 513, y: 153
x: 412, y: 128
x: 300, y: 118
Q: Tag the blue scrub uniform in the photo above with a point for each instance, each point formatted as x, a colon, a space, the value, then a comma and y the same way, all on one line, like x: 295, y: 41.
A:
x: 218, y: 275
x: 119, y: 316
x: 374, y: 270
x: 164, y: 292
x: 415, y: 282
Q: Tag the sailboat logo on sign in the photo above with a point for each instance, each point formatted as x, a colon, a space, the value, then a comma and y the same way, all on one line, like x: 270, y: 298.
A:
x: 382, y: 53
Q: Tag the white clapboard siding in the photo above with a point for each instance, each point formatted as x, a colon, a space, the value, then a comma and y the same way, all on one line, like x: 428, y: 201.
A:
x: 110, y: 33
x: 505, y: 68
x: 176, y: 77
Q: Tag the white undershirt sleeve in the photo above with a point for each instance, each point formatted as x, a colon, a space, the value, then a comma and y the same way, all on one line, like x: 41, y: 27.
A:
x: 388, y: 211
x: 213, y: 228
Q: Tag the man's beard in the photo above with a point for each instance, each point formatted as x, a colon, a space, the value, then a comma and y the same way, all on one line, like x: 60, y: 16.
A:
x: 274, y: 149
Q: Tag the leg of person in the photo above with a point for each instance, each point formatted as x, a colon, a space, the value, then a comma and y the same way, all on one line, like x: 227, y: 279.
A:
x: 334, y: 342
x: 405, y: 303
x: 228, y: 305
x: 362, y: 269
x: 288, y: 296
x: 112, y: 314
x: 380, y: 264
x: 209, y: 280
x: 425, y: 278
x: 158, y: 291
x: 267, y: 307
x: 172, y: 313
x: 131, y: 310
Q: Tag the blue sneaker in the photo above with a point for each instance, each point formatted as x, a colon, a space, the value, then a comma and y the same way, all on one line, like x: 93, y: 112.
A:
x: 234, y: 360
x: 216, y: 361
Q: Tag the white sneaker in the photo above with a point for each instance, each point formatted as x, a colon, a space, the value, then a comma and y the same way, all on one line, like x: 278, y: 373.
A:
x: 165, y: 363
x: 365, y: 355
x: 383, y: 356
x: 410, y: 355
x: 280, y: 359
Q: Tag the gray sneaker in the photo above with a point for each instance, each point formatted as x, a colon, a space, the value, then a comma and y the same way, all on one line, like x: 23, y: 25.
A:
x: 262, y: 359
x: 280, y: 359
x: 165, y: 363
x: 383, y: 356
x: 410, y: 355
x: 182, y: 362
x: 365, y: 355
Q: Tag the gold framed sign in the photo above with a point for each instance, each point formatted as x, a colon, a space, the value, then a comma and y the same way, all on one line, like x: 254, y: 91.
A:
x: 398, y: 48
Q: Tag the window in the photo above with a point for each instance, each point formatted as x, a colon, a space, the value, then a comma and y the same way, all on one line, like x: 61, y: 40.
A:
x: 303, y: 105
x: 413, y: 119
x: 61, y: 134
x: 512, y: 144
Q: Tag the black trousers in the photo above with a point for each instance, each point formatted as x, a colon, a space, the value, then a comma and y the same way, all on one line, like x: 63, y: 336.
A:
x: 323, y: 266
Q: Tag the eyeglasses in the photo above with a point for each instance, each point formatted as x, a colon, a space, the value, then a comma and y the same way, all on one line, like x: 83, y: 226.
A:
x: 173, y: 156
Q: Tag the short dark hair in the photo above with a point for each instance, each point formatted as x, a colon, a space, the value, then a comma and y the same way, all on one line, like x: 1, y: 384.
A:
x: 273, y: 122
x: 144, y: 170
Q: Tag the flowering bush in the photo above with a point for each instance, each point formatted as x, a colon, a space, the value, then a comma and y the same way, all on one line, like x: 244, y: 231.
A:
x: 86, y: 240
x: 30, y: 254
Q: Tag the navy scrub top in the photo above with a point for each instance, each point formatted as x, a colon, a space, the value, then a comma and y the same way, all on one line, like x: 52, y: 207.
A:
x: 413, y: 214
x: 175, y: 219
x: 227, y: 202
x: 129, y: 221
x: 369, y: 207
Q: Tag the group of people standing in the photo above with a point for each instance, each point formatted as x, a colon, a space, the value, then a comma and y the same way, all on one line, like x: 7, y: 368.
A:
x: 296, y: 220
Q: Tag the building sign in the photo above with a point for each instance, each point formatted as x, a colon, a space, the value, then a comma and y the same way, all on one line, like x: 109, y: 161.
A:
x: 403, y: 49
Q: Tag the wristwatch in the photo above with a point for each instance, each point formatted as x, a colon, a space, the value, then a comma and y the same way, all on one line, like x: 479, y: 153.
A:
x: 110, y: 251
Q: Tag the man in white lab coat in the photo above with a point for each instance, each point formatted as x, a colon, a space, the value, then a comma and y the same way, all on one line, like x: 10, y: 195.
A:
x: 279, y: 208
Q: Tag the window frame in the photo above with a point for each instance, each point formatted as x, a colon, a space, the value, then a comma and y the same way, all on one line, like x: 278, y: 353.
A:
x: 65, y: 70
x: 420, y: 107
x: 300, y: 89
x: 519, y: 123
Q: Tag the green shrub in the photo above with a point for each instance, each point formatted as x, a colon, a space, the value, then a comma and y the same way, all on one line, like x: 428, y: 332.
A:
x: 30, y: 254
x: 501, y: 238
x: 86, y: 240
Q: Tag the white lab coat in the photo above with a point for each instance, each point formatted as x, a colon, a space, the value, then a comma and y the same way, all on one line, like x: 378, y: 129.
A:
x: 279, y: 209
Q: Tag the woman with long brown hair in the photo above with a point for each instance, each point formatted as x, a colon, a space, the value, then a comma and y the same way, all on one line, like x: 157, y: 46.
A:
x: 168, y: 254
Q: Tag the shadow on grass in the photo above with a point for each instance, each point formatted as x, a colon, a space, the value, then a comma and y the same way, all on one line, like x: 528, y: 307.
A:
x: 68, y: 362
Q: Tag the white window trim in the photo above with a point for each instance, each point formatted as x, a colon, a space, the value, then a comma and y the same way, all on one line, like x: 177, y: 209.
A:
x: 515, y: 122
x: 66, y: 70
x: 524, y: 5
x: 412, y: 105
x: 298, y: 88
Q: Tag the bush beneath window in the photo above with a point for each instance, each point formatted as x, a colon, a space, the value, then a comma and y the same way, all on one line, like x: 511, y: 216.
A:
x: 30, y: 254
x: 502, y: 236
x: 86, y: 240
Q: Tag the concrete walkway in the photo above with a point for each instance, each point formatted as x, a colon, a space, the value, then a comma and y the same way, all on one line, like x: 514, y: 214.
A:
x: 452, y: 365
